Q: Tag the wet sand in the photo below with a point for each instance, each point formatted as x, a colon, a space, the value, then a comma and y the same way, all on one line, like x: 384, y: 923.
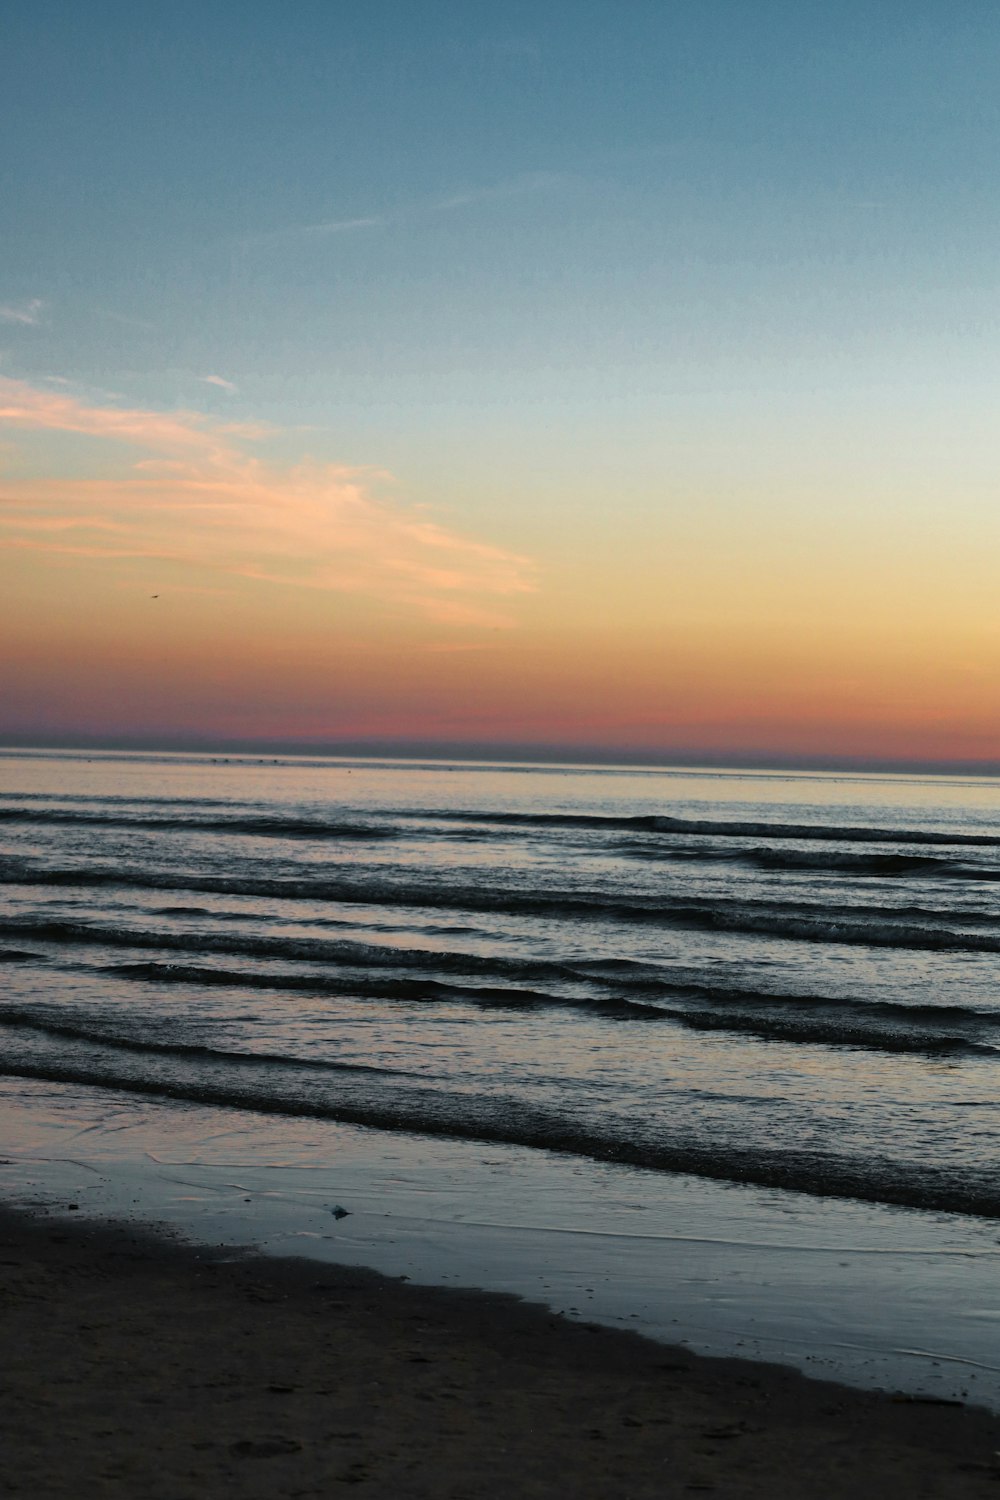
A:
x: 136, y: 1366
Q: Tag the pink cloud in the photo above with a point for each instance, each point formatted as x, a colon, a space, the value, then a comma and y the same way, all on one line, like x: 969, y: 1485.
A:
x: 26, y: 408
x: 195, y: 495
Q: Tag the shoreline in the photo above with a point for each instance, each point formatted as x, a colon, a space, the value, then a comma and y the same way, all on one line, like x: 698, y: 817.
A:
x: 141, y: 1363
x: 878, y: 1300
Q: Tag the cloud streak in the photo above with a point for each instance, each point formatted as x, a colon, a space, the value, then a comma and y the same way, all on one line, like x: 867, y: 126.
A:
x: 193, y: 493
x: 513, y: 187
x: 326, y: 229
x: 527, y: 183
x: 28, y: 314
x: 223, y: 384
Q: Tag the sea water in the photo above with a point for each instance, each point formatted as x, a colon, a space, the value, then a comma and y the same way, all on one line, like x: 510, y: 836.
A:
x: 647, y: 1041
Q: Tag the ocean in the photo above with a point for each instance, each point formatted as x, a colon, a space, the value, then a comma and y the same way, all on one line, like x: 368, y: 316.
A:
x: 771, y: 983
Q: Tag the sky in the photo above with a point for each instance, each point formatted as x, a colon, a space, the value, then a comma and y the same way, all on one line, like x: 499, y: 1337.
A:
x: 602, y: 378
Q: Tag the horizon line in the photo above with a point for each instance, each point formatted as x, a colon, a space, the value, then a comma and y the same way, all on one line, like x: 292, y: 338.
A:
x: 378, y: 747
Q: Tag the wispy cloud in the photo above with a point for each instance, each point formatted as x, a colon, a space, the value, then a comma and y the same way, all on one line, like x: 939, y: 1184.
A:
x: 224, y: 385
x: 29, y: 313
x: 512, y: 187
x: 326, y: 228
x: 25, y: 407
x: 195, y: 495
x: 341, y: 226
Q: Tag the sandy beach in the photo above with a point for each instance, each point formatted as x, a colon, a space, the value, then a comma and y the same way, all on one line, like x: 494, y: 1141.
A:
x: 138, y: 1365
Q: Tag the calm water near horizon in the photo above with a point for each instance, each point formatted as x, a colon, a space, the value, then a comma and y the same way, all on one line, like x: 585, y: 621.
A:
x: 785, y: 982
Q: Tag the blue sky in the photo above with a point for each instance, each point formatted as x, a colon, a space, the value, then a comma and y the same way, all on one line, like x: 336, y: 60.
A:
x: 577, y: 188
x: 576, y: 275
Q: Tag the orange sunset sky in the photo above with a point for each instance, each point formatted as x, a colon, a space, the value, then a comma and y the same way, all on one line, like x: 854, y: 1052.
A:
x: 588, y: 380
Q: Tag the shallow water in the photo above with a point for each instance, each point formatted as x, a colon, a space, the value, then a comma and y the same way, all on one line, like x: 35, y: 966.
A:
x: 882, y: 1297
x: 787, y: 982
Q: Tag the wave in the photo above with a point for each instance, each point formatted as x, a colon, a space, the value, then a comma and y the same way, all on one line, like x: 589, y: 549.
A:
x: 418, y: 990
x: 911, y: 926
x: 848, y: 1005
x: 848, y: 862
x: 716, y: 827
x: 35, y: 1021
x: 831, y: 1031
x: 498, y: 1119
x: 808, y: 1022
x: 884, y: 1027
x: 17, y: 956
x: 832, y: 861
x: 630, y: 974
x: 188, y: 814
x: 372, y: 972
x: 271, y: 826
x: 855, y: 930
x: 309, y: 950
